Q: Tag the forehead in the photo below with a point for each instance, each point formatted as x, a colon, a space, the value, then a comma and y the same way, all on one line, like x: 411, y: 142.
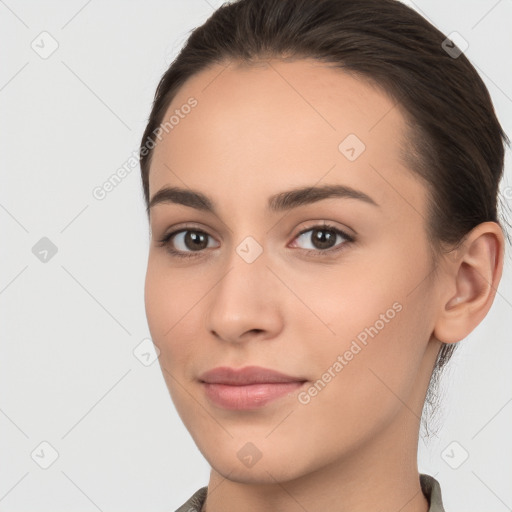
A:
x: 277, y: 123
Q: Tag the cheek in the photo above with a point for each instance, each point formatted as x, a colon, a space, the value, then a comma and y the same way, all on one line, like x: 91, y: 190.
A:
x: 378, y: 317
x: 166, y: 302
x: 362, y: 386
x: 172, y: 300
x: 353, y: 301
x: 157, y: 299
x: 371, y: 292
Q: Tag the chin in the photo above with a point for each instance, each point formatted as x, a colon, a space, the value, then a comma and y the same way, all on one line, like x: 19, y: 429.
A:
x: 242, y: 462
x: 262, y: 473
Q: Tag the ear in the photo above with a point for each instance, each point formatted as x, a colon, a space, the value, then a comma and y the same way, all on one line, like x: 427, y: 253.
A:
x: 473, y: 272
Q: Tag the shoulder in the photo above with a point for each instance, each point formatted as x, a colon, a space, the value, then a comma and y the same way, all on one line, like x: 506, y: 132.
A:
x: 195, y: 502
x: 432, y: 491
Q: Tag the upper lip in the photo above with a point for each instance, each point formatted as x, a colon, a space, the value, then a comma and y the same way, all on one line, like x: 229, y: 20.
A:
x: 245, y: 375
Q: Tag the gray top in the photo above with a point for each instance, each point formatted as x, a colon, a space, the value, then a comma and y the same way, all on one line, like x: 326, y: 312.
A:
x: 429, y: 485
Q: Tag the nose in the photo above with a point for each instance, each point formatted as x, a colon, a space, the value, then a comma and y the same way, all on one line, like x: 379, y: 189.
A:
x: 244, y: 304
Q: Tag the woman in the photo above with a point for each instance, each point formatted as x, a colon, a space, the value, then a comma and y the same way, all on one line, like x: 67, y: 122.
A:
x: 321, y: 178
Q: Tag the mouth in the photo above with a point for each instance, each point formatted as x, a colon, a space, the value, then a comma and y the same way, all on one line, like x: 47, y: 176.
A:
x: 247, y: 388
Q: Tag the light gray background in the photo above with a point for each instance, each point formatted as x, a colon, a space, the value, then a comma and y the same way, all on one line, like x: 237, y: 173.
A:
x: 69, y: 327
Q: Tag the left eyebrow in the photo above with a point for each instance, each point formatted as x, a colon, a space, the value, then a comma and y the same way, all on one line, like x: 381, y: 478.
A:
x: 307, y: 195
x: 280, y: 202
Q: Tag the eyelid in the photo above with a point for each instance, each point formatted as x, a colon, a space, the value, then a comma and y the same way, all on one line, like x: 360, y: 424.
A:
x: 328, y: 226
x: 186, y: 226
x: 165, y: 240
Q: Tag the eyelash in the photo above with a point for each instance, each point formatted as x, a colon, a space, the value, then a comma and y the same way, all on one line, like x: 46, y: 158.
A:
x: 165, y: 242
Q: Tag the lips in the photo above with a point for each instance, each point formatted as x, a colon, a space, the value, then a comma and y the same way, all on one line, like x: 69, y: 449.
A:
x: 245, y: 376
x: 247, y: 388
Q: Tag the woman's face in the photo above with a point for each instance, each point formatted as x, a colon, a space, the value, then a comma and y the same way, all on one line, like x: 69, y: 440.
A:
x: 261, y: 283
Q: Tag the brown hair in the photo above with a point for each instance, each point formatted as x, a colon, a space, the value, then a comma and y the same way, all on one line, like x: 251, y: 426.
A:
x: 455, y: 141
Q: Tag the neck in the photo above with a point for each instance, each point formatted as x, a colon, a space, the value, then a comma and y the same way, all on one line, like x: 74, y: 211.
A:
x: 373, y: 477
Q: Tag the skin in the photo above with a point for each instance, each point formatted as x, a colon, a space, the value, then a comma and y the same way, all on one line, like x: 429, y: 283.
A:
x: 256, y: 131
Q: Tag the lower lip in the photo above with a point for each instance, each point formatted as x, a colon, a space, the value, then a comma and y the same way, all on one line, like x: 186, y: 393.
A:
x: 247, y: 397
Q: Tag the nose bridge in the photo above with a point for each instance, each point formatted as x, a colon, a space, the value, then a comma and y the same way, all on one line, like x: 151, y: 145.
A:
x: 244, y: 299
x: 247, y: 268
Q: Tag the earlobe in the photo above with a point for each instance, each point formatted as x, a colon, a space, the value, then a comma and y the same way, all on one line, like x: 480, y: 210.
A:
x: 471, y: 280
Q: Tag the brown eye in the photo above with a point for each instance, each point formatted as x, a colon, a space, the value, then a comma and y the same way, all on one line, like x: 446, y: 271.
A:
x: 322, y: 238
x: 186, y: 242
x: 193, y: 240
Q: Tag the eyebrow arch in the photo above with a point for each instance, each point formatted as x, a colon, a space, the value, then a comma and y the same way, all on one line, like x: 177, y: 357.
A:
x: 280, y: 202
